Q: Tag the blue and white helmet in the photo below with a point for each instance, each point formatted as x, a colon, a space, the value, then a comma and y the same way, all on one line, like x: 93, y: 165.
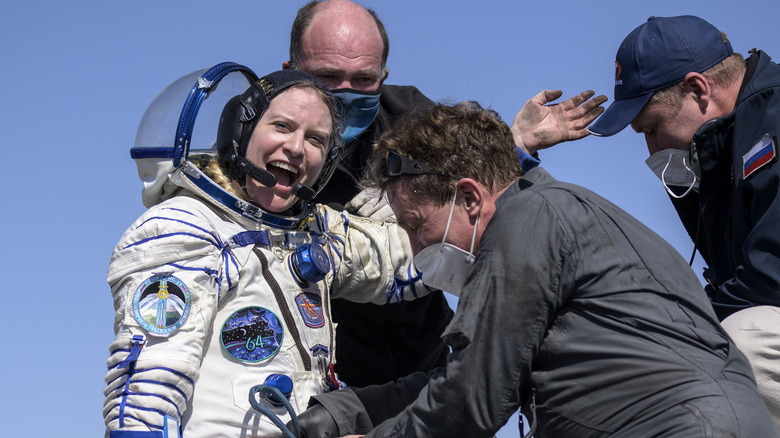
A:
x: 168, y: 139
x: 168, y: 135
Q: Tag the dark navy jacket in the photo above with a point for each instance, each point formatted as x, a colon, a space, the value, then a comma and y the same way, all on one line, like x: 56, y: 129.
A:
x: 739, y: 232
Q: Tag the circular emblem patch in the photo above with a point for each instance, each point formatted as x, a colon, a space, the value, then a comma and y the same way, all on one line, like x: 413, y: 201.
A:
x: 252, y: 334
x: 161, y: 304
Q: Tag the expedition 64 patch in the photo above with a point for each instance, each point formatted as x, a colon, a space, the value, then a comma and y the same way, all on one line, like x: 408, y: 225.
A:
x: 252, y: 334
x: 161, y: 304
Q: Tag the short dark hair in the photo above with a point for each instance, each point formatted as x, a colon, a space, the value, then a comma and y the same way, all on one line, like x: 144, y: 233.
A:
x: 303, y: 20
x: 463, y: 139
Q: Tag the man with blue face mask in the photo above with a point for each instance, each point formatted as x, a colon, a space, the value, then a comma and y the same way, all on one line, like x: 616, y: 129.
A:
x: 711, y: 121
x: 346, y: 46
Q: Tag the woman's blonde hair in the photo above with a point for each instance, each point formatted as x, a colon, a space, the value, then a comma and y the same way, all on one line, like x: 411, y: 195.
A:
x: 209, y: 164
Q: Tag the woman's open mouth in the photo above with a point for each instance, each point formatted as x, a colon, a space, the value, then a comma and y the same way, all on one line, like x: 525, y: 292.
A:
x: 286, y: 174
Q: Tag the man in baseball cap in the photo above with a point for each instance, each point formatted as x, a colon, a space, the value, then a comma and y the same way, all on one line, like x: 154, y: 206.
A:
x: 657, y: 55
x: 711, y: 120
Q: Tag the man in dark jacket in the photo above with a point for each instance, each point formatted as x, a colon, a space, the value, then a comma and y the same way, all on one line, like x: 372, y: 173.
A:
x: 711, y: 122
x: 346, y: 46
x: 569, y: 307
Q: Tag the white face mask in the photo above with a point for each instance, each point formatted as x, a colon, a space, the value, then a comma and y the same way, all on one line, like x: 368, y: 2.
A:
x: 672, y: 167
x: 444, y: 266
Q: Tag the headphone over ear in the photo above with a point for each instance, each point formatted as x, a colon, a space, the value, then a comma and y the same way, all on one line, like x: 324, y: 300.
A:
x: 235, y: 129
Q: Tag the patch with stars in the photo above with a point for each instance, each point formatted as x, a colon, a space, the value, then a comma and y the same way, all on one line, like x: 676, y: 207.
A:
x: 161, y: 304
x: 310, y: 306
x: 252, y: 334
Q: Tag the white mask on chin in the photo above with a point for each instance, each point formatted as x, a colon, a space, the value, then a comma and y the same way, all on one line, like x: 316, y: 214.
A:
x: 672, y: 167
x: 443, y: 265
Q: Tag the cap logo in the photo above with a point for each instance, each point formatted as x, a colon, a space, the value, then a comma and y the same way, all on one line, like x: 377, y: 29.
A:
x: 618, y: 71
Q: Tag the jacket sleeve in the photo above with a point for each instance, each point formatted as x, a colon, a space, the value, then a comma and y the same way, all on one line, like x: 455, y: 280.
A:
x: 166, y: 275
x: 356, y: 410
x: 373, y: 260
x: 512, y: 293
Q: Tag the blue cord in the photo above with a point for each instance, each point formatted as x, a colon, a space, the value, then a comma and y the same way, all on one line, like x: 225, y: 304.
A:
x: 270, y: 390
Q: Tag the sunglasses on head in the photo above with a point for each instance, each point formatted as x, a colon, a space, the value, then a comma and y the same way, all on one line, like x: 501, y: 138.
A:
x: 398, y: 165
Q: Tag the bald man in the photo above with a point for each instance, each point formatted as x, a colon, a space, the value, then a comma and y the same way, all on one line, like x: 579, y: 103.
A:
x: 346, y: 46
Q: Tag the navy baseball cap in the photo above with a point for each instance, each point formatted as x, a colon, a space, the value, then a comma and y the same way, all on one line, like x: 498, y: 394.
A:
x: 654, y: 56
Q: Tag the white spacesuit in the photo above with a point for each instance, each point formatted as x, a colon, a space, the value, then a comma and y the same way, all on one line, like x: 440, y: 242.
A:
x: 215, y: 296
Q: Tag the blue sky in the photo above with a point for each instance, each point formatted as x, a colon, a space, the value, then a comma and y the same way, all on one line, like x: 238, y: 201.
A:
x: 77, y: 77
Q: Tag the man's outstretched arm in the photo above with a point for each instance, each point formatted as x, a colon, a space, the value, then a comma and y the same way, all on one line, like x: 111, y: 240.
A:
x: 540, y: 124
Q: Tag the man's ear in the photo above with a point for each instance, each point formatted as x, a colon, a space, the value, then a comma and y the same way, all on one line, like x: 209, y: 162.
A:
x: 474, y: 196
x: 384, y: 76
x: 286, y: 65
x: 700, y: 87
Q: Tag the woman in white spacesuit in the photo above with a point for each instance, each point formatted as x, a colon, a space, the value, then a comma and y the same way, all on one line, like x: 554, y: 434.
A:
x: 224, y: 283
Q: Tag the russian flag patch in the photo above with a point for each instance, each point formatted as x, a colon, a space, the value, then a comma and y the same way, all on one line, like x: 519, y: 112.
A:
x: 762, y: 153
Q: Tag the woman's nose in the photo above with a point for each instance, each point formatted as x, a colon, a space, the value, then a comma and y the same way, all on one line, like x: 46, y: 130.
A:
x: 294, y: 143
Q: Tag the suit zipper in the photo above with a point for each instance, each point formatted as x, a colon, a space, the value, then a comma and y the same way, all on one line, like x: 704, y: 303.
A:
x: 286, y: 314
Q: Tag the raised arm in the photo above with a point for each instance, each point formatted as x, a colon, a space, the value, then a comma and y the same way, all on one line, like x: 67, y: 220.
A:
x: 540, y: 124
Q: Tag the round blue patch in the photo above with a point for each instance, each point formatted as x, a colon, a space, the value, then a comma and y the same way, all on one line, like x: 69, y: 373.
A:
x: 252, y: 334
x: 161, y: 304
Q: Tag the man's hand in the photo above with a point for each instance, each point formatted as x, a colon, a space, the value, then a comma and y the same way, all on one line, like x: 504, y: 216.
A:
x: 538, y: 125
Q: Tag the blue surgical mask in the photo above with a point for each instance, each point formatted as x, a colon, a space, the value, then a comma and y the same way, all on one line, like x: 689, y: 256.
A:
x: 359, y: 110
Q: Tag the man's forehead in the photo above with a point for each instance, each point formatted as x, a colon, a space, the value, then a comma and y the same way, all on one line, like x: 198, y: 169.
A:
x: 405, y: 202
x: 324, y: 65
x: 346, y: 19
x: 339, y: 53
x: 350, y: 35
